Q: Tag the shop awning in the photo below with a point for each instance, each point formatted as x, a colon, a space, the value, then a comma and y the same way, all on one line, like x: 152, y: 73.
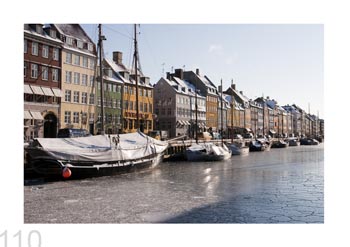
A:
x: 37, y: 115
x: 248, y: 130
x: 187, y: 123
x: 272, y: 131
x: 27, y: 115
x: 57, y: 92
x: 27, y: 89
x: 47, y: 91
x: 37, y: 90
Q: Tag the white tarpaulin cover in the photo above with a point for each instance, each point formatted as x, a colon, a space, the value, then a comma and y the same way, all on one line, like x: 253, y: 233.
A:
x: 101, y: 148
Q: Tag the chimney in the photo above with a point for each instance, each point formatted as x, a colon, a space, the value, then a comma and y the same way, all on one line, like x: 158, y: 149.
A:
x: 197, y: 71
x: 168, y: 75
x: 234, y: 86
x: 219, y: 88
x: 179, y: 73
x: 268, y: 97
x: 118, y: 57
x: 241, y: 92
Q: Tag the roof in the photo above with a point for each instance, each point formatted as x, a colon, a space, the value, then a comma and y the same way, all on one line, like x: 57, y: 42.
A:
x: 73, y: 30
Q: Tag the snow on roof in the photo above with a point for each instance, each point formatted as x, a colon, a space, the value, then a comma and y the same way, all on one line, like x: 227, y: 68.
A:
x: 45, y: 35
x: 73, y: 30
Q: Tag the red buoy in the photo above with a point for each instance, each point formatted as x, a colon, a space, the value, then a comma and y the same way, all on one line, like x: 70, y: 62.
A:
x: 66, y: 173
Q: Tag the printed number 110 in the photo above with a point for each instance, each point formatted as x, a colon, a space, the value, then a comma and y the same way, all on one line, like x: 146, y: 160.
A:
x: 18, y: 235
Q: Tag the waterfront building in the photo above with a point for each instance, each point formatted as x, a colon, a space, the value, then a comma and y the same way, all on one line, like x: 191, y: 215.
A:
x: 77, y: 108
x: 42, y: 81
x: 128, y: 105
x: 174, y: 107
x: 244, y: 110
x: 256, y: 117
x: 235, y: 116
x: 112, y: 101
x: 224, y: 108
x: 207, y: 89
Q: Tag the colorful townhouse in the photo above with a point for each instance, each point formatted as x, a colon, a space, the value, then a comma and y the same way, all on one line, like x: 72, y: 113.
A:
x: 42, y: 80
x: 78, y: 85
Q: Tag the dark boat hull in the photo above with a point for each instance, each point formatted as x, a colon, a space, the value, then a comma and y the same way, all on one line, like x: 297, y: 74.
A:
x: 53, y: 169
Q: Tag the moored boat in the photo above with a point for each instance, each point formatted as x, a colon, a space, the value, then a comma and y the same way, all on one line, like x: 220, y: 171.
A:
x: 293, y: 142
x: 308, y: 141
x: 93, y: 155
x: 238, y: 149
x: 207, y: 152
x: 279, y: 144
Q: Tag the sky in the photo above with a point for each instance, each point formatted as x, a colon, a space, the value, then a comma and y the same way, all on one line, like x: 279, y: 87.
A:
x: 282, y: 61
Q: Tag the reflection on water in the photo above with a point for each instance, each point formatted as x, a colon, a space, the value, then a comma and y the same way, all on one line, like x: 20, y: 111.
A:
x: 244, y: 189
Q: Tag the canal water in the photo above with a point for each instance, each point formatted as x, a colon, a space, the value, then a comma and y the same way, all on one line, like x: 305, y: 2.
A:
x: 276, y: 186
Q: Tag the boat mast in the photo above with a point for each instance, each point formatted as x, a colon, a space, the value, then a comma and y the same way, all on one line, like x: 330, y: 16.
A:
x: 196, y: 108
x: 222, y: 118
x: 232, y: 104
x: 136, y: 80
x: 100, y: 39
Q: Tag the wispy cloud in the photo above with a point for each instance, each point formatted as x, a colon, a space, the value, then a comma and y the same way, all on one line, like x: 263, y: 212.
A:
x: 215, y: 48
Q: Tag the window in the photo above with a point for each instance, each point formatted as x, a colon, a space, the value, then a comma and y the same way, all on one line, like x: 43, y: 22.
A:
x: 85, y: 62
x: 45, y: 52
x: 90, y: 47
x: 35, y: 48
x: 130, y: 123
x: 99, y: 101
x: 53, y: 33
x: 67, y: 116
x: 76, y: 78
x: 92, y: 99
x: 91, y: 84
x: 77, y: 60
x: 131, y: 105
x: 44, y: 73
x: 118, y: 104
x: 80, y: 43
x: 84, y: 79
x: 25, y: 69
x: 68, y: 76
x: 76, y: 97
x: 114, y: 88
x: 55, y: 54
x: 169, y: 111
x: 76, y: 117
x: 84, y: 118
x: 145, y: 107
x: 84, y: 98
x: 109, y: 87
x: 25, y: 46
x: 92, y: 64
x: 54, y: 74
x: 114, y: 103
x: 150, y: 108
x: 69, y: 40
x: 69, y: 58
x: 119, y: 89
x: 67, y: 95
x: 34, y: 71
x: 141, y: 106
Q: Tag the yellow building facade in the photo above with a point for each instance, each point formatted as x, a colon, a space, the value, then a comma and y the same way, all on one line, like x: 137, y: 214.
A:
x: 78, y: 79
x: 145, y: 107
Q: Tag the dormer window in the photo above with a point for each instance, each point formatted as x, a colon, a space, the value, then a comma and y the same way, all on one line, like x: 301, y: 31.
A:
x: 80, y: 44
x: 39, y: 29
x: 69, y: 41
x: 53, y: 34
x: 90, y: 47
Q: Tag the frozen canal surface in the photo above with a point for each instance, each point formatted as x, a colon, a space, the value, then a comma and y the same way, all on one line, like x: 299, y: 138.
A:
x: 277, y: 186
